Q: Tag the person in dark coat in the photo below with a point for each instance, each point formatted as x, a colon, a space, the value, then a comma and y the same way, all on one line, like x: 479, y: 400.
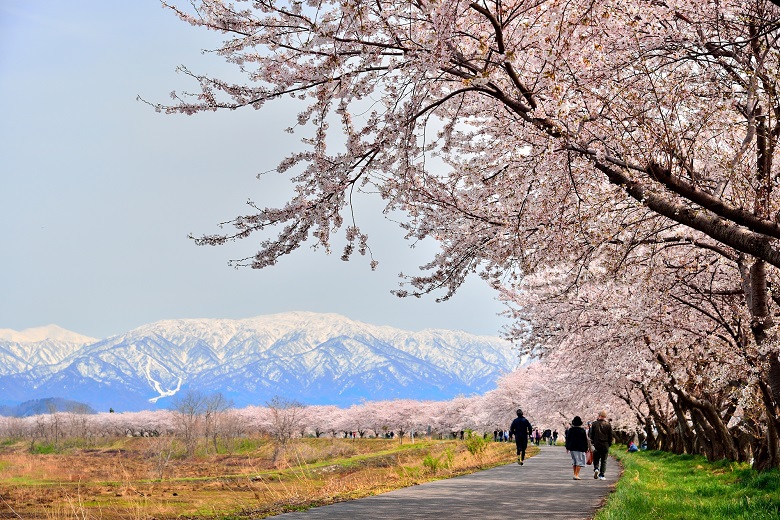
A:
x: 521, y: 429
x: 577, y: 444
x: 601, y: 438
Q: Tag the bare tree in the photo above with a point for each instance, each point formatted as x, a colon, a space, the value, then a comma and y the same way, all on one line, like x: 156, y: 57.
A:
x: 161, y: 451
x: 215, y: 407
x: 284, y: 418
x: 188, y: 417
x: 77, y: 418
x: 55, y: 423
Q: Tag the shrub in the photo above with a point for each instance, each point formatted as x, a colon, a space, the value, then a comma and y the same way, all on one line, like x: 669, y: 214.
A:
x: 43, y: 449
x: 450, y: 456
x: 409, y: 472
x: 475, y: 444
x: 432, y: 463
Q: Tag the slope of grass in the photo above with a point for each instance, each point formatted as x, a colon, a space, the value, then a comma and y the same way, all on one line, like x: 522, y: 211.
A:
x: 687, y: 487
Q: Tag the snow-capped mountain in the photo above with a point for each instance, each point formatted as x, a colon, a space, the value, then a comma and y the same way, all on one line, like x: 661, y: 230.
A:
x: 37, y: 347
x: 314, y: 358
x: 49, y: 332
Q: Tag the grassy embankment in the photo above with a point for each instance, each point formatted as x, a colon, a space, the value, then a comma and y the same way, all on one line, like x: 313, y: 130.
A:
x: 153, y: 478
x: 658, y: 485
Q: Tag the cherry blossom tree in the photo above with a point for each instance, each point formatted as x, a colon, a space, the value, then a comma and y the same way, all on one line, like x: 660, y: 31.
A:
x: 522, y: 135
x: 453, y: 417
x: 360, y: 419
x: 319, y: 419
x: 401, y: 416
x: 680, y: 358
x: 547, y: 120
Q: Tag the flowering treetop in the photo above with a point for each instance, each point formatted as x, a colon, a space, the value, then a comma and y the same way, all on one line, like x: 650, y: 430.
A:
x: 511, y: 131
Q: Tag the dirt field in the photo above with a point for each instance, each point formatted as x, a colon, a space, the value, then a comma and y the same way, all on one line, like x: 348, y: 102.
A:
x: 151, y: 478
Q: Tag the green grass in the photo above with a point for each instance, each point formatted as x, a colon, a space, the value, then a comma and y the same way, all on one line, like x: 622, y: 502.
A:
x: 685, y: 487
x: 43, y: 449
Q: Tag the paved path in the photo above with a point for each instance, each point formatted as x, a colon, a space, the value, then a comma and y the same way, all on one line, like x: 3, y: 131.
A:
x: 542, y: 488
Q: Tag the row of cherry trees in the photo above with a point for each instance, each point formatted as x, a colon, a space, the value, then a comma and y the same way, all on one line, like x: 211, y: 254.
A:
x: 607, y: 166
x: 196, y: 422
x: 672, y: 341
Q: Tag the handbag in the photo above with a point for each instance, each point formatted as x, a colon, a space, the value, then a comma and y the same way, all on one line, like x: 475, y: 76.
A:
x: 589, y: 457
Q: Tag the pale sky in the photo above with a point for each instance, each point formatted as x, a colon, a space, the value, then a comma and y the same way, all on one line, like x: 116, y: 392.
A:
x: 99, y: 192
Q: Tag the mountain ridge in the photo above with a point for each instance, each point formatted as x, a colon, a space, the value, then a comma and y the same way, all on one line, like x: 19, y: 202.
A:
x: 47, y: 332
x: 312, y: 357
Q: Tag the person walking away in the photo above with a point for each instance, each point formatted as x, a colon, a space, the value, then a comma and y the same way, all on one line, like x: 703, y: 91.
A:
x: 576, y: 445
x: 521, y: 429
x: 601, y: 437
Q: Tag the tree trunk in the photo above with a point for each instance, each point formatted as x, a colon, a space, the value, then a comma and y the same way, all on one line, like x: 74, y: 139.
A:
x: 773, y: 378
x: 686, y: 435
x: 767, y: 456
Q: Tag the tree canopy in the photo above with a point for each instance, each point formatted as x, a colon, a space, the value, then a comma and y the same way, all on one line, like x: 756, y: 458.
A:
x: 609, y: 167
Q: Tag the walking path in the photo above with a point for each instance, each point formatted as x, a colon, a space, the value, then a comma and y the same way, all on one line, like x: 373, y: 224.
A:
x: 543, y: 487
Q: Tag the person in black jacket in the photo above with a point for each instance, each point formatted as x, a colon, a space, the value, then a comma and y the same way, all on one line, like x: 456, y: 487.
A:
x: 577, y: 443
x: 601, y: 438
x: 521, y: 429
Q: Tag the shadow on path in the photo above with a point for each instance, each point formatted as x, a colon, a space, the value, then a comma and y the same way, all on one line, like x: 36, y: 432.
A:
x: 542, y: 487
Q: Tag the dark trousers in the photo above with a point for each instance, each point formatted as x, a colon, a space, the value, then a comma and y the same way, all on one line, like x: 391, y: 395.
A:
x: 600, y: 460
x: 522, y: 445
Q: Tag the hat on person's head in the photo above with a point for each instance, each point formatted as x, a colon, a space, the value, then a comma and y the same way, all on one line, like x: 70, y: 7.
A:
x: 577, y: 421
x: 603, y: 414
x: 519, y: 412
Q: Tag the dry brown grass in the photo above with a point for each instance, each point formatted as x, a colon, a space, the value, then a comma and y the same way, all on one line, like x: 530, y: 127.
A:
x: 123, y: 481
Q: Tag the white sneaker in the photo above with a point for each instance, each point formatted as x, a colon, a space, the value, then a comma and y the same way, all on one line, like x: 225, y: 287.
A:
x: 602, y: 477
x: 595, y: 473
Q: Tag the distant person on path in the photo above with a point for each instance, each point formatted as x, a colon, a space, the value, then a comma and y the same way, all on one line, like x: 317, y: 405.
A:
x: 521, y: 429
x: 577, y: 444
x: 555, y: 437
x: 601, y: 437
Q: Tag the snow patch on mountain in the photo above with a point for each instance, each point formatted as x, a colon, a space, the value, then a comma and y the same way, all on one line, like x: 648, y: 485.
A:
x: 157, y: 385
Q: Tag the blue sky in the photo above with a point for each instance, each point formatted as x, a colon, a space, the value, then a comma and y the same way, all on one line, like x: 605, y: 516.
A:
x: 99, y: 192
